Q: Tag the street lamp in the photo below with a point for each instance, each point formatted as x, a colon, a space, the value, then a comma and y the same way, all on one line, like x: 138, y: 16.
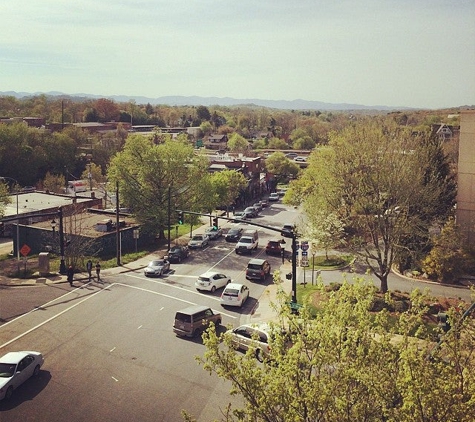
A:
x: 17, y: 222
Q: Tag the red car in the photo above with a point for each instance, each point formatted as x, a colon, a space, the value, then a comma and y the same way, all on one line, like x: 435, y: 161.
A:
x: 274, y: 247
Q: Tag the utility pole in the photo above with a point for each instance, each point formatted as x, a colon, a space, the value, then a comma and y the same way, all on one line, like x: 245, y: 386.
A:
x: 62, y: 265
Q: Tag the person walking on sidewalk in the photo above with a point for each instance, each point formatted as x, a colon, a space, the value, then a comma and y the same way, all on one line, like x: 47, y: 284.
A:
x: 70, y: 275
x: 89, y: 269
x: 98, y: 271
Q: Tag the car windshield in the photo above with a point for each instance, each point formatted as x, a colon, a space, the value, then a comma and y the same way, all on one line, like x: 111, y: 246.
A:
x: 254, y: 267
x: 175, y: 250
x: 156, y: 263
x: 7, y: 370
x: 200, y: 278
x: 245, y: 240
x: 234, y: 231
x: 197, y: 238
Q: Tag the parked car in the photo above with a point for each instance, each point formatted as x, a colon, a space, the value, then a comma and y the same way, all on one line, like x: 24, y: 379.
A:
x: 238, y: 216
x: 16, y: 368
x: 274, y: 196
x: 264, y: 203
x: 178, y: 253
x: 301, y: 159
x: 258, y: 269
x: 257, y: 206
x: 291, y: 155
x: 234, y: 234
x: 211, y: 281
x: 274, y: 247
x: 213, y: 233
x: 281, y: 192
x: 251, y: 211
x: 192, y: 321
x: 198, y: 241
x: 234, y: 294
x: 157, y: 267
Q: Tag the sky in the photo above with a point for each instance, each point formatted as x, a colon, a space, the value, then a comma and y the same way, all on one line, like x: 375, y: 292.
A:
x: 400, y: 53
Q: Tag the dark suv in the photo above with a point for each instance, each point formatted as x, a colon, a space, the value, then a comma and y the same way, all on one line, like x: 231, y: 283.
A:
x: 178, y: 253
x: 234, y: 234
x: 257, y: 269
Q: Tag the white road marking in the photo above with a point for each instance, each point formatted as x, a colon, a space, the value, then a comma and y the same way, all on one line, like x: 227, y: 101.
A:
x: 115, y: 379
x: 111, y: 350
x: 171, y: 297
x: 139, y: 327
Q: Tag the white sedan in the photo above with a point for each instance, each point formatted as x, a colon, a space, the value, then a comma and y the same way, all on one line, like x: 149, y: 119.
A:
x: 16, y: 368
x: 211, y: 281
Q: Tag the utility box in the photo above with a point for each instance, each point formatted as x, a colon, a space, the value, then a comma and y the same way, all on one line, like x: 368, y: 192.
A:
x: 43, y: 263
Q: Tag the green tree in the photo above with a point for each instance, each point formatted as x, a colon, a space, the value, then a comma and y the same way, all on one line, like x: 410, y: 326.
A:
x: 93, y: 172
x: 325, y: 231
x: 371, y: 176
x: 150, y: 176
x: 449, y: 257
x: 206, y: 128
x: 203, y: 113
x: 54, y: 183
x: 5, y: 198
x: 348, y: 364
x: 305, y: 142
x: 277, y: 143
x: 281, y: 167
x: 237, y: 143
x: 227, y: 185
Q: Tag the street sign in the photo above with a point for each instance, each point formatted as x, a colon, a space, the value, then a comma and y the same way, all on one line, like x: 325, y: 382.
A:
x: 304, y: 253
x: 304, y: 245
x: 25, y: 250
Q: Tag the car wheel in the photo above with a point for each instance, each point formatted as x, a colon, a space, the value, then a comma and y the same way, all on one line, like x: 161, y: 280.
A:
x: 259, y: 355
x: 196, y: 333
x: 218, y: 323
x: 36, y: 371
x: 179, y: 259
x: 213, y: 289
x: 9, y: 393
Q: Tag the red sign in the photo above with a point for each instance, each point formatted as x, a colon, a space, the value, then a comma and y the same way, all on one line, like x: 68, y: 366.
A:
x: 25, y: 250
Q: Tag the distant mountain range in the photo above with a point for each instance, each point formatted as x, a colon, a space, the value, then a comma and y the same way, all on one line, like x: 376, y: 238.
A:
x: 210, y: 101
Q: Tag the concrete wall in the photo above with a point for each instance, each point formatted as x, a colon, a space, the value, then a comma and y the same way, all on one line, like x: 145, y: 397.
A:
x: 466, y: 175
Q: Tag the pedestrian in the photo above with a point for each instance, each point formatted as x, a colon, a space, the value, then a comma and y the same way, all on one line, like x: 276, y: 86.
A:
x: 98, y: 271
x: 89, y: 269
x: 70, y: 275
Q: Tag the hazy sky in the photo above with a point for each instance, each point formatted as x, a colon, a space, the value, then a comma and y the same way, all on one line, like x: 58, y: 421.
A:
x: 416, y: 53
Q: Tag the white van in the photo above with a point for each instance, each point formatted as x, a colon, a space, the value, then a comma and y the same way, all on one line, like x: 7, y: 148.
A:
x: 75, y: 186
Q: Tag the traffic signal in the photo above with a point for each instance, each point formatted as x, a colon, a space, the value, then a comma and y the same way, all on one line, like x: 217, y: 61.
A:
x: 181, y: 217
x: 215, y: 223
